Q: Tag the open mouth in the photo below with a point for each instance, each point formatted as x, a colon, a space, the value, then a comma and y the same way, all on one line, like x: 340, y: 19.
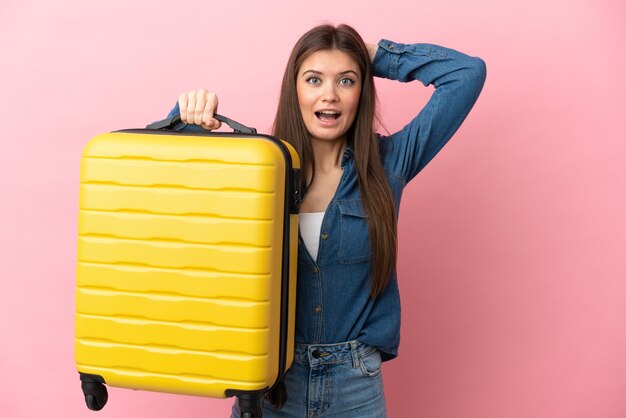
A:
x: 328, y: 115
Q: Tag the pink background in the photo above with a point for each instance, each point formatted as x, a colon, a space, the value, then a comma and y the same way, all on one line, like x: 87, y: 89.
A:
x: 512, y: 241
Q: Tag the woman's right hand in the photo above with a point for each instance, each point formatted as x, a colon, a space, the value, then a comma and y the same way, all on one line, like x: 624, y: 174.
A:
x: 197, y: 108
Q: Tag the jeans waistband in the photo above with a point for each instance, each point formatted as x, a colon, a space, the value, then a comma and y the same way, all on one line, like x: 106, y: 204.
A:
x: 315, y: 354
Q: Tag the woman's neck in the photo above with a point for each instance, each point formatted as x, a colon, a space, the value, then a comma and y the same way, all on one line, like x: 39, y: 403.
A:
x: 328, y: 154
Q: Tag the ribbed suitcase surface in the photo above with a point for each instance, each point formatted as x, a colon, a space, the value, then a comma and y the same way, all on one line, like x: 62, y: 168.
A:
x: 180, y: 255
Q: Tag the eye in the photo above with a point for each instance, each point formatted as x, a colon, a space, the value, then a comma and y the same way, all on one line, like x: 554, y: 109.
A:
x: 346, y: 82
x: 313, y: 80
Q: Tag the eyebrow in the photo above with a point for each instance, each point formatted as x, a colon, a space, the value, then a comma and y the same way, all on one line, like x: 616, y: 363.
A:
x: 341, y: 73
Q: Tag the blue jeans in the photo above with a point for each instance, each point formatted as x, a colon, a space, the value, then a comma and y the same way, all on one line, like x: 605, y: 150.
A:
x: 331, y: 380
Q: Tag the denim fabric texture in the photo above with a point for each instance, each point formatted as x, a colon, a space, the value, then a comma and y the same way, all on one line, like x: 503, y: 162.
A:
x: 333, y: 291
x: 336, y: 380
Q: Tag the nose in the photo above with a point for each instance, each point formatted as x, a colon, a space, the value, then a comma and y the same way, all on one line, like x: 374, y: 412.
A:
x: 330, y: 93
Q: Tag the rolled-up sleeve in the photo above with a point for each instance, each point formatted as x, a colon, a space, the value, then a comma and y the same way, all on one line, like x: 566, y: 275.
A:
x: 458, y: 80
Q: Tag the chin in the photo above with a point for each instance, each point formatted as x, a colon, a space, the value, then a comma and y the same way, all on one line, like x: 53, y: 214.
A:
x: 328, y: 136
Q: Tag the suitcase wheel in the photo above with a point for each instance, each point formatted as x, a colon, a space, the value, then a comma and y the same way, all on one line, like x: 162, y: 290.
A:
x: 250, y: 405
x: 96, y: 396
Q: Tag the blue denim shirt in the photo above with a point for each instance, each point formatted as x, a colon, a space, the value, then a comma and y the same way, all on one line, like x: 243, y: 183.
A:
x: 333, y: 292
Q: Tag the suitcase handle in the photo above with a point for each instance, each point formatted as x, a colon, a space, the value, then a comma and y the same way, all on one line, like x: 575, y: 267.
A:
x: 172, y: 121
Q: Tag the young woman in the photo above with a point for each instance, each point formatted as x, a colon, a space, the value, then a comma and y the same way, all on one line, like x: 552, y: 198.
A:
x: 348, y: 306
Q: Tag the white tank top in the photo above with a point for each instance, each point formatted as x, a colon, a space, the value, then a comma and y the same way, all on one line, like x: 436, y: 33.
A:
x: 310, y: 227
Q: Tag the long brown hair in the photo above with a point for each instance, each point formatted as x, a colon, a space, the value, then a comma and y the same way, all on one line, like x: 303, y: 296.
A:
x: 375, y: 191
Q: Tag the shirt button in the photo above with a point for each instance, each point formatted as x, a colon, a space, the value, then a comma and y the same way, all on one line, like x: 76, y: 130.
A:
x: 316, y: 354
x: 316, y: 269
x: 324, y: 235
x: 317, y: 308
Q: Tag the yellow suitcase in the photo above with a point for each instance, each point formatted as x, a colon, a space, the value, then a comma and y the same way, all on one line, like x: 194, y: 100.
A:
x: 187, y: 255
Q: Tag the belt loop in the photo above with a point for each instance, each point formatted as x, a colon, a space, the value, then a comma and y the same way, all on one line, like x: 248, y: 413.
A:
x: 355, y: 354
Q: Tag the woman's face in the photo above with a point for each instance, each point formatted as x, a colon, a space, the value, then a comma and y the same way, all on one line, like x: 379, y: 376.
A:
x: 328, y: 85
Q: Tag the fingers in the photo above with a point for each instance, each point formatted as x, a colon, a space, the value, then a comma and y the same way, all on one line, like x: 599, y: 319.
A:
x: 182, y: 106
x: 206, y: 118
x: 204, y: 114
x: 195, y: 114
x: 198, y: 107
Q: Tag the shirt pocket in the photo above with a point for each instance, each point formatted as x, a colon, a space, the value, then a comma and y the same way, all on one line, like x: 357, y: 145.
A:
x: 354, y: 242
